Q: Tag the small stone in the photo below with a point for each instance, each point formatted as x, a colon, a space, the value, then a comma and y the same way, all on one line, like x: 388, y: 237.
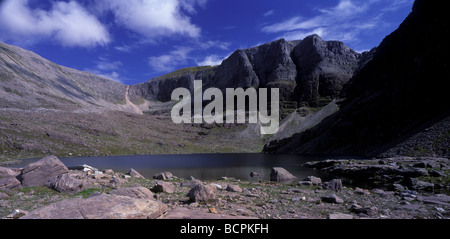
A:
x: 335, y: 184
x: 408, y: 194
x: 16, y: 214
x: 420, y: 165
x: 340, y: 216
x: 332, y: 198
x: 380, y: 192
x: 190, y: 184
x: 135, y: 174
x: 255, y: 174
x: 416, y: 184
x: 299, y: 199
x: 369, y: 211
x: 163, y: 176
x: 218, y: 186
x: 212, y: 210
x: 109, y: 171
x: 435, y: 173
x: 165, y: 187
x: 202, y: 193
x: 234, y: 188
x: 313, y: 180
x: 361, y: 191
x: 398, y: 187
x: 440, y: 209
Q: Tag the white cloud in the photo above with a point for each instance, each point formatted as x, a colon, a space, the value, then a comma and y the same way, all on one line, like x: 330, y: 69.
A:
x: 345, y: 21
x: 108, y: 69
x: 212, y: 60
x: 189, y: 5
x: 213, y: 44
x: 300, y: 34
x: 169, y: 62
x: 155, y: 18
x: 269, y: 13
x: 71, y: 23
x: 105, y: 65
x: 67, y: 22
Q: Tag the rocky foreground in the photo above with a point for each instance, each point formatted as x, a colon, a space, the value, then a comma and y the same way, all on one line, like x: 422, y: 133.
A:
x: 402, y: 188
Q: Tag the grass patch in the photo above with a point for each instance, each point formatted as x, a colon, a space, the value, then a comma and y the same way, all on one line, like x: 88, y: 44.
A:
x: 184, y: 71
x: 88, y: 192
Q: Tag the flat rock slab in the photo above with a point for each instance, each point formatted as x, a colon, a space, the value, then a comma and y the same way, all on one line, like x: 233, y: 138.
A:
x: 101, y: 207
x: 185, y: 213
x: 135, y: 192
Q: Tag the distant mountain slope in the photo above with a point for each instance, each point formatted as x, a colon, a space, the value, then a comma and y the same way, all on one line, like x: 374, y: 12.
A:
x: 30, y: 81
x: 401, y: 92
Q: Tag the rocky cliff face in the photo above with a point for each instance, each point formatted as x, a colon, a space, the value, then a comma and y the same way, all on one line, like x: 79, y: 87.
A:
x: 323, y: 67
x: 303, y: 70
x: 29, y: 81
x: 160, y: 88
x: 400, y: 92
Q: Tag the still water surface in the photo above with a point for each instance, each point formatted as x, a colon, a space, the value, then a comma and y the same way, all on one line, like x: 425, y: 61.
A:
x: 201, y: 166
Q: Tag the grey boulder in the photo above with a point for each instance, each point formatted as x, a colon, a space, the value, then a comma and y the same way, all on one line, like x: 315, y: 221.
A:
x: 281, y: 175
x: 163, y: 176
x: 10, y: 183
x: 202, y: 193
x: 7, y: 173
x: 64, y: 183
x: 38, y: 173
x: 135, y: 174
x: 163, y: 187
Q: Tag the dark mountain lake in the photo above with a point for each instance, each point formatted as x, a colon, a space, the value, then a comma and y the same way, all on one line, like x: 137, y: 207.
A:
x: 201, y: 166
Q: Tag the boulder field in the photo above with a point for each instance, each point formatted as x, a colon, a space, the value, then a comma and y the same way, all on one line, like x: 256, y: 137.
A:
x: 419, y: 189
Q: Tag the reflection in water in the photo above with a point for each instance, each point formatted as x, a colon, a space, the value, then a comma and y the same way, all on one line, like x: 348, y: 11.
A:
x: 201, y: 166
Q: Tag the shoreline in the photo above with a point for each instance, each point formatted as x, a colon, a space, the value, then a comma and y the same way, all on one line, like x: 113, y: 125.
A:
x: 234, y: 198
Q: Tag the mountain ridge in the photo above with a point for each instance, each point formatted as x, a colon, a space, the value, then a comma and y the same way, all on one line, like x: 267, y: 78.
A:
x: 279, y: 64
x: 29, y: 81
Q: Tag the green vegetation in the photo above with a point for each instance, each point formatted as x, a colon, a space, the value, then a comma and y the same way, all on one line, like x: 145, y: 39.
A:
x: 184, y: 71
x: 88, y: 192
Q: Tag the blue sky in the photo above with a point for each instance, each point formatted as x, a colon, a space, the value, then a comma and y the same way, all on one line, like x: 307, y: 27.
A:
x: 132, y: 41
